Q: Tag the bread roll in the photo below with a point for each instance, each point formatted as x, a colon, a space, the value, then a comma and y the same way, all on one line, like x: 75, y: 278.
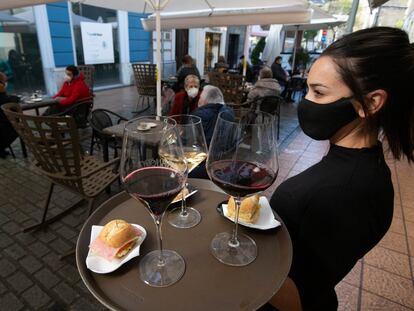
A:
x: 117, y: 233
x: 249, y: 209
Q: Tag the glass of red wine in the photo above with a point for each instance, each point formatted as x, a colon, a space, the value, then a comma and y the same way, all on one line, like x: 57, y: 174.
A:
x: 155, y: 183
x: 242, y: 161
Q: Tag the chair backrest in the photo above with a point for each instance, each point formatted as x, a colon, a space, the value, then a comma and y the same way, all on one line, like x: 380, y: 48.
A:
x: 89, y: 74
x: 100, y: 119
x: 297, y: 84
x: 80, y: 111
x: 145, y: 79
x: 231, y: 85
x: 54, y: 143
x: 270, y: 104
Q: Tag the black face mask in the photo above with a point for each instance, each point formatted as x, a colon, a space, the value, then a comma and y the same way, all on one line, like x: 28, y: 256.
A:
x: 322, y: 121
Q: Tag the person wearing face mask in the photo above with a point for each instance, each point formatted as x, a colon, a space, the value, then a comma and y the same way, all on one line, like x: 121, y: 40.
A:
x: 73, y: 89
x: 265, y: 86
x: 7, y: 132
x: 187, y: 100
x: 340, y: 208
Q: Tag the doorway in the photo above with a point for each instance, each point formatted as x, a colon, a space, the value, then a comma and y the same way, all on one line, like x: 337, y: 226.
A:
x: 233, y: 49
x: 181, y: 45
x: 212, y: 50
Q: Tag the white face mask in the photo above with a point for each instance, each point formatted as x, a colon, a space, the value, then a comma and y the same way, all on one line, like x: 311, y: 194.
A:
x: 67, y: 78
x: 192, y: 92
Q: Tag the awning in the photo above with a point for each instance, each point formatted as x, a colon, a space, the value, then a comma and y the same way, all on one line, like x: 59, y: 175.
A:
x: 13, y: 4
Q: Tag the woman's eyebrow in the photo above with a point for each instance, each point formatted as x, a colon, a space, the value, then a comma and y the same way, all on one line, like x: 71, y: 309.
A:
x: 318, y: 85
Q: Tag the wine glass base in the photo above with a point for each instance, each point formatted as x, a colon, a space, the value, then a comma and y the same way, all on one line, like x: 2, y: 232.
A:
x: 192, y: 218
x: 165, y: 275
x: 241, y: 255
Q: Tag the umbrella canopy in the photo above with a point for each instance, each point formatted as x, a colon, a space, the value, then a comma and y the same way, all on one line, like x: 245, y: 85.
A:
x: 13, y: 4
x: 320, y: 20
x: 7, y: 18
x: 231, y: 16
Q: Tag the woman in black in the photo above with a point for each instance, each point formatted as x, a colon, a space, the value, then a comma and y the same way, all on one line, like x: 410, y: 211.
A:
x: 337, y: 210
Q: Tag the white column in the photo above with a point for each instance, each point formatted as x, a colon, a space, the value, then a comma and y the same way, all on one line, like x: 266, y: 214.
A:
x: 46, y: 50
x: 72, y: 33
x: 123, y: 38
x: 223, y: 41
x: 196, y: 45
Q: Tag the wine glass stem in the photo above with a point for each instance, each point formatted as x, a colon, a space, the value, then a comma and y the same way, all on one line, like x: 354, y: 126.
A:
x: 184, y: 211
x: 234, y: 242
x: 158, y: 221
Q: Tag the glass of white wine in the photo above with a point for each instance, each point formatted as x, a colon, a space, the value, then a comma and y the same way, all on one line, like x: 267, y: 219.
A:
x: 194, y: 144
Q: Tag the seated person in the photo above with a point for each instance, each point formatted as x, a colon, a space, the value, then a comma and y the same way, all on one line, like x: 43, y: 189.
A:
x: 186, y: 101
x: 187, y: 68
x: 279, y: 73
x: 221, y: 65
x: 265, y: 86
x: 210, y: 104
x: 73, y: 89
x: 7, y: 132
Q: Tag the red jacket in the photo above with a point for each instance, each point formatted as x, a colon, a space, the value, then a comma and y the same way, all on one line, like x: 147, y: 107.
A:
x: 73, y: 91
x: 184, y: 104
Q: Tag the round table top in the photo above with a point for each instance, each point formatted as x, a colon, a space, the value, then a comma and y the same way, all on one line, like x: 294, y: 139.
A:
x: 207, y: 284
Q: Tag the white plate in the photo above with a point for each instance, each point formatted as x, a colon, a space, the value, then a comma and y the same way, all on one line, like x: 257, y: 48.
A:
x: 99, y: 264
x: 191, y: 191
x: 36, y: 99
x: 266, y: 218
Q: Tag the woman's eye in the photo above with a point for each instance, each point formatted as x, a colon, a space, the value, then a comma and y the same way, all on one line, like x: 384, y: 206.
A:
x: 318, y: 93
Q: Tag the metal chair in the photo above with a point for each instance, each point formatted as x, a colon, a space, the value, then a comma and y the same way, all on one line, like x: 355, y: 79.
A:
x: 99, y: 119
x: 54, y: 143
x: 79, y: 111
x: 146, y: 82
x: 89, y: 74
x: 296, y: 85
x: 231, y: 85
x: 270, y: 104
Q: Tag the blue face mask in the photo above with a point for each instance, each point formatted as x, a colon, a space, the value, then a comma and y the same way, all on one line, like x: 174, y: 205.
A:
x: 322, y: 121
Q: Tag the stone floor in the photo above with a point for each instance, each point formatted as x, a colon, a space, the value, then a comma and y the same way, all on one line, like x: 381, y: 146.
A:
x: 33, y: 278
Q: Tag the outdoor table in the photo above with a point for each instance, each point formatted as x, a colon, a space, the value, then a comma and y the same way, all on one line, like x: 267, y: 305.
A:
x: 117, y: 131
x: 206, y: 284
x: 30, y: 104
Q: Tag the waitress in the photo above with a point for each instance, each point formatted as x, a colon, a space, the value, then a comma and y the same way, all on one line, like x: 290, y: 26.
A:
x: 360, y: 92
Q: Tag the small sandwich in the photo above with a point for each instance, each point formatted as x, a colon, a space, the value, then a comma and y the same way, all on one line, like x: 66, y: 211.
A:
x: 249, y: 209
x: 115, y: 240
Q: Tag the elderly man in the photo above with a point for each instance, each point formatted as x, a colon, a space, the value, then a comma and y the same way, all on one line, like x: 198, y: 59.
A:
x: 7, y: 132
x: 210, y: 104
x: 187, y: 100
x: 265, y: 86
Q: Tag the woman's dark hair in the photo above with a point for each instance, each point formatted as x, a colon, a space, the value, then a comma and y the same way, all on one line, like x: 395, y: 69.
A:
x: 73, y: 69
x: 381, y: 58
x: 278, y: 58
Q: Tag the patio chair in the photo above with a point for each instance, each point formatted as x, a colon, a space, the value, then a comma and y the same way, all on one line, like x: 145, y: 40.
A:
x: 89, y: 74
x: 79, y: 111
x: 146, y: 82
x: 54, y: 143
x: 231, y: 85
x: 296, y: 85
x: 99, y: 119
x: 270, y: 104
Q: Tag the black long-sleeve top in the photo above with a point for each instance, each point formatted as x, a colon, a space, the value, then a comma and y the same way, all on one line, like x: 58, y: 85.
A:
x: 335, y: 212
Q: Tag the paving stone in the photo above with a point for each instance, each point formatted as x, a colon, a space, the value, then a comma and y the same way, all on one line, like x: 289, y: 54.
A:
x: 70, y: 274
x: 25, y: 238
x: 67, y: 232
x: 6, y: 267
x: 10, y: 302
x: 66, y: 293
x: 36, y: 297
x: 15, y: 251
x: 11, y: 228
x: 31, y: 264
x: 39, y: 249
x: 87, y: 304
x: 3, y: 288
x: 5, y: 240
x: 19, y: 281
x: 19, y: 217
x: 53, y: 261
x: 60, y: 246
x: 4, y: 218
x: 47, y: 278
x: 8, y: 208
x: 45, y: 236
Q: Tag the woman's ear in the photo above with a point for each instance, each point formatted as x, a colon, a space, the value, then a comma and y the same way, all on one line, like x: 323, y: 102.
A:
x: 375, y: 100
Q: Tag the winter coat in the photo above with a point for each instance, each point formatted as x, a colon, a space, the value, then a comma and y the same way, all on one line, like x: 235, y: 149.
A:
x: 73, y: 91
x: 279, y: 74
x: 208, y: 114
x: 184, y: 104
x: 264, y: 87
